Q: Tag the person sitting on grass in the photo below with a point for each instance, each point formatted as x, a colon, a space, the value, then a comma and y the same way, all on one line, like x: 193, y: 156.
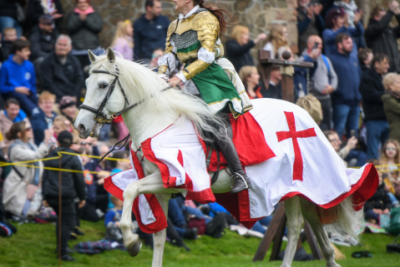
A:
x: 379, y: 203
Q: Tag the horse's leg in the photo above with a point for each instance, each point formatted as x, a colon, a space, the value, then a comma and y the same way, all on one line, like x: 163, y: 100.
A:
x: 294, y: 224
x: 311, y: 215
x: 150, y: 184
x: 159, y: 237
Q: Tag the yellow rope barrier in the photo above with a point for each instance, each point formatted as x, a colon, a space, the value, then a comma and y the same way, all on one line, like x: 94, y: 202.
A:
x: 60, y: 153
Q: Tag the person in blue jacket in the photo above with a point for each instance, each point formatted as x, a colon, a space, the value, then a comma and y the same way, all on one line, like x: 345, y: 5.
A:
x: 18, y: 78
x: 346, y: 99
x: 43, y: 116
x: 150, y: 31
x: 336, y: 22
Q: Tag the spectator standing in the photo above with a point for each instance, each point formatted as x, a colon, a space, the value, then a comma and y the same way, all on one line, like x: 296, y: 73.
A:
x: 277, y: 39
x: 43, y: 116
x: 371, y: 89
x: 10, y: 15
x: 123, y: 41
x: 83, y: 25
x: 346, y: 98
x: 251, y: 81
x: 150, y: 31
x: 365, y: 57
x: 62, y: 73
x: 9, y: 37
x: 381, y: 37
x: 11, y: 114
x: 37, y: 8
x: 18, y: 78
x: 309, y: 21
x: 323, y: 80
x: 336, y: 22
x: 15, y: 198
x: 391, y: 104
x: 73, y: 186
x: 43, y: 38
x: 238, y: 48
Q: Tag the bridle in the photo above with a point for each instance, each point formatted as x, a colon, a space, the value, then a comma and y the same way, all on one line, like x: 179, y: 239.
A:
x: 100, y: 117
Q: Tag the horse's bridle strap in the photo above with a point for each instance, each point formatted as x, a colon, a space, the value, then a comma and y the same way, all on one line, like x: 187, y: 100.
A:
x: 100, y: 116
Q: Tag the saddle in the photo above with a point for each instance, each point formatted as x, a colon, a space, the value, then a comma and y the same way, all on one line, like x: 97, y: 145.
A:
x: 249, y: 141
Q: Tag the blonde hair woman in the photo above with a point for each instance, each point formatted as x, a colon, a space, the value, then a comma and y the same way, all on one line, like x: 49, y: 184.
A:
x: 251, y: 80
x: 123, y: 40
x: 238, y: 48
x: 391, y: 104
x: 277, y: 40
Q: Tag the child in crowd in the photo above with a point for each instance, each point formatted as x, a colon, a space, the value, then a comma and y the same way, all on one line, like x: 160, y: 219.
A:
x: 90, y: 213
x: 112, y: 219
x: 157, y: 53
x: 10, y: 35
x: 390, y: 159
x: 379, y: 203
x: 18, y: 78
x: 67, y: 107
x: 365, y: 57
x: 123, y: 41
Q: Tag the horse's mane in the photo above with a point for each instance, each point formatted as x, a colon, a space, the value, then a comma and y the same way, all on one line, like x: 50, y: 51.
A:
x: 140, y: 83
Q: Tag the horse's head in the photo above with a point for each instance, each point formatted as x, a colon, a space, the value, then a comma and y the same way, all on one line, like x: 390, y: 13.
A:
x: 104, y: 96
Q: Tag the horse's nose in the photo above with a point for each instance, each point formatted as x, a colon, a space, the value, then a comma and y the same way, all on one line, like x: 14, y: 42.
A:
x: 82, y: 130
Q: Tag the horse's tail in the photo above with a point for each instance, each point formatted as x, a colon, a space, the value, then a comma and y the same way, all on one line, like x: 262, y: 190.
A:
x: 342, y: 217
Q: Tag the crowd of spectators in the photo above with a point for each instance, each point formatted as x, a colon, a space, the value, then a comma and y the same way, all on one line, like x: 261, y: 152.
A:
x: 43, y: 68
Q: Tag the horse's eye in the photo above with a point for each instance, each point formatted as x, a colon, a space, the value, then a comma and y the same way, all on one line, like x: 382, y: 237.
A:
x: 103, y: 85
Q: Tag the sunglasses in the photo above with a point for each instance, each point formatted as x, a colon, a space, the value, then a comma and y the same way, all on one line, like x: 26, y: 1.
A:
x: 391, y: 148
x: 84, y: 144
x: 28, y: 128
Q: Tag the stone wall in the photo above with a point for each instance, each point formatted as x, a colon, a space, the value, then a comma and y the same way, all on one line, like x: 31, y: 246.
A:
x: 257, y: 15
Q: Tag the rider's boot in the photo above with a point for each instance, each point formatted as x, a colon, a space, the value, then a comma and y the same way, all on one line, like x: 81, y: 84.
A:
x: 240, y: 181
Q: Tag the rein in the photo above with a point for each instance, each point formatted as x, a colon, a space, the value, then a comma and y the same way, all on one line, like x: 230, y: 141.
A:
x: 100, y: 116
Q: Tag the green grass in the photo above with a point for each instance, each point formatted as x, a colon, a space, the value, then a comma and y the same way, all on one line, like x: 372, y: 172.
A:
x: 34, y: 245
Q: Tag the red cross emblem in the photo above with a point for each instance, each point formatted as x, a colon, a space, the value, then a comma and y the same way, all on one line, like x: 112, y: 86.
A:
x: 292, y: 133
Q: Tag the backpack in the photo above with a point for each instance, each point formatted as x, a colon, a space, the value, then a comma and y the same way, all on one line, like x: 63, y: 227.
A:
x: 215, y: 228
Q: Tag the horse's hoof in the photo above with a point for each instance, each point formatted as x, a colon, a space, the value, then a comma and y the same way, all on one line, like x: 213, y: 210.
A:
x: 134, y: 248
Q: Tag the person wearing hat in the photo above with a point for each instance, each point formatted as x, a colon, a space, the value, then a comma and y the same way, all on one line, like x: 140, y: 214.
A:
x: 68, y: 108
x: 72, y: 186
x: 62, y: 72
x: 336, y: 22
x: 42, y: 40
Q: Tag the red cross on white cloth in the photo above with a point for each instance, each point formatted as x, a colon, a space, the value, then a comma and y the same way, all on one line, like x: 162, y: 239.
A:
x: 292, y: 133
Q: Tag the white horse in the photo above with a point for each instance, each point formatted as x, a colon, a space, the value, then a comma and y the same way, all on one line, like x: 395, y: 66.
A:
x: 159, y: 110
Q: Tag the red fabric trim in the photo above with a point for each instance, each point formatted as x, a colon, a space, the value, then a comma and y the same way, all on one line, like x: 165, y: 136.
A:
x: 361, y: 191
x: 298, y: 159
x: 160, y: 222
x: 169, y: 182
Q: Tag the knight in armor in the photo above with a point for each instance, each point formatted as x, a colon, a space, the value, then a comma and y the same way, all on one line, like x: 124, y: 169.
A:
x: 193, y: 39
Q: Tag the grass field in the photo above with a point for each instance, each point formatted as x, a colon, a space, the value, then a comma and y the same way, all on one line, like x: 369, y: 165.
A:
x: 34, y: 245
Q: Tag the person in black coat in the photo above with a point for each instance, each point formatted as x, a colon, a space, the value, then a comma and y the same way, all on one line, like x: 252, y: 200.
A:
x: 238, y: 49
x: 379, y: 203
x: 36, y: 10
x: 371, y: 90
x: 62, y: 73
x: 72, y: 186
x: 380, y: 37
x: 43, y: 38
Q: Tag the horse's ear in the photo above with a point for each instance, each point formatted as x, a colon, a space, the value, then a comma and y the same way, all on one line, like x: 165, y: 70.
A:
x: 110, y: 55
x: 92, y: 56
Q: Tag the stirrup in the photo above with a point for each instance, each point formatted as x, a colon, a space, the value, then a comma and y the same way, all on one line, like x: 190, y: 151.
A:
x: 241, y: 177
